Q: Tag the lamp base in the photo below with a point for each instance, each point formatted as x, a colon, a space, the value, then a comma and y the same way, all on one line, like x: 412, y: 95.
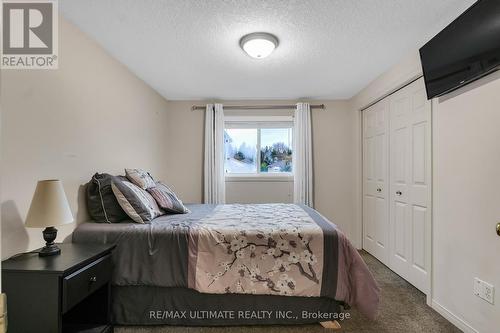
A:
x: 50, y: 249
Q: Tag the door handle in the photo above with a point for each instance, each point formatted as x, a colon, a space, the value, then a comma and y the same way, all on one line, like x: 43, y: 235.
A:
x: 399, y: 193
x: 498, y: 229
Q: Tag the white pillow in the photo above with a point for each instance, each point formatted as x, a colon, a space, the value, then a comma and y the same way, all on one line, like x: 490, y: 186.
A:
x: 140, y: 178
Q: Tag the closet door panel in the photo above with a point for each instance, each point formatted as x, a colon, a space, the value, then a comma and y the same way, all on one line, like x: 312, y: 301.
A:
x: 369, y: 182
x: 418, y: 224
x: 420, y: 176
x: 400, y: 214
x: 399, y: 165
x: 375, y: 181
x: 421, y: 187
x: 399, y: 247
x: 369, y: 223
x: 410, y: 179
x: 381, y: 228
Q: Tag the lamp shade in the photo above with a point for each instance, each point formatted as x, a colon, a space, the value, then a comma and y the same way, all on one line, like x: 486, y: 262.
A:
x: 49, y: 206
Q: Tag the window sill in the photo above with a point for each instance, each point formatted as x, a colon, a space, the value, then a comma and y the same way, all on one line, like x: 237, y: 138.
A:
x: 287, y: 177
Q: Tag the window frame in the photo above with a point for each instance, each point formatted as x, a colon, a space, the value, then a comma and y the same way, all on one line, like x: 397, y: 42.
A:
x: 259, y: 123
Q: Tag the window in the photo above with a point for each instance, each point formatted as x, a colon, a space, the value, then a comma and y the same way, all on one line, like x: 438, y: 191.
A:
x: 275, y: 150
x: 258, y: 147
x: 240, y: 150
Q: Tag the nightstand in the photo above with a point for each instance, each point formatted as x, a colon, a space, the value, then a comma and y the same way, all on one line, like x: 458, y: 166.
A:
x: 69, y: 292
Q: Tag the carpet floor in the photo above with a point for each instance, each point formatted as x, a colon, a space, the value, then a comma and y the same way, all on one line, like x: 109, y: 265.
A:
x: 403, y: 310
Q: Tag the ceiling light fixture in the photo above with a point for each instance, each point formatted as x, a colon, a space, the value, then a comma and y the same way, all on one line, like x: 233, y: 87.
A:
x: 259, y: 44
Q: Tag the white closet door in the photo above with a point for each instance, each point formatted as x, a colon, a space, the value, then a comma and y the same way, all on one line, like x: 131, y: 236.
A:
x: 410, y: 184
x: 375, y: 181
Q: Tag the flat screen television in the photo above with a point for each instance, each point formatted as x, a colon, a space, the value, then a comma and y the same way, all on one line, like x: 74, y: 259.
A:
x: 464, y: 51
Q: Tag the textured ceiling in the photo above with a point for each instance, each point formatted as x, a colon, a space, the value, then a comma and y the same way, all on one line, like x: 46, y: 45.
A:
x: 329, y: 49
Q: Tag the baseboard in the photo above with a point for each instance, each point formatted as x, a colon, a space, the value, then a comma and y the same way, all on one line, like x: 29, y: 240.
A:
x: 452, y: 318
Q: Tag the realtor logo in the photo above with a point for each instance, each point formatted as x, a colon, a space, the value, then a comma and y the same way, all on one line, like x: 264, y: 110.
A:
x: 29, y: 34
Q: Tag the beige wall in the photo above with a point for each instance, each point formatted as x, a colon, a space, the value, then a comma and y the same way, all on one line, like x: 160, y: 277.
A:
x: 465, y: 193
x: 333, y: 150
x: 185, y: 151
x: 405, y: 71
x: 334, y: 172
x: 467, y: 202
x: 259, y: 191
x: 90, y: 115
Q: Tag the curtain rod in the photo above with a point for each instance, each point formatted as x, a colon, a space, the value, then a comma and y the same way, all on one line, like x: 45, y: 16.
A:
x: 259, y: 107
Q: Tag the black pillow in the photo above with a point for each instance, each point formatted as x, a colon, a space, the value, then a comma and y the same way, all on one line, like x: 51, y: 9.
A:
x: 101, y: 202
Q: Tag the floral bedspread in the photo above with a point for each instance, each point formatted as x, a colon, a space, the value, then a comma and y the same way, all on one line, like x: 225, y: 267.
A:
x: 259, y: 249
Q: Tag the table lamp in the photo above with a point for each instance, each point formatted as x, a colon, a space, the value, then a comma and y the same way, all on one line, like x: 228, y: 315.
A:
x: 49, y: 208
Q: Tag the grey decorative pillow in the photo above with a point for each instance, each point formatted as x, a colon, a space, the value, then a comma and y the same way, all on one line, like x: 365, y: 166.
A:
x: 166, y: 199
x: 136, y: 202
x: 101, y: 201
x: 140, y: 178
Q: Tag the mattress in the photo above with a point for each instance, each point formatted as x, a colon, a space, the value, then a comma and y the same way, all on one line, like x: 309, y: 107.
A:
x: 280, y: 250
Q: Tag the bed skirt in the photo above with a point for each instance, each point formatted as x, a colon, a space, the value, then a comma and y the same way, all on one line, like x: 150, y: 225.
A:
x: 143, y: 305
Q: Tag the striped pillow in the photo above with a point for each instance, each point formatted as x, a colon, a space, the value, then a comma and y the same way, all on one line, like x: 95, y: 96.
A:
x: 166, y: 199
x: 136, y: 202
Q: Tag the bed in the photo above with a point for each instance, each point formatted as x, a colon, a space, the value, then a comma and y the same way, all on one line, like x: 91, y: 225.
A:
x: 234, y: 265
